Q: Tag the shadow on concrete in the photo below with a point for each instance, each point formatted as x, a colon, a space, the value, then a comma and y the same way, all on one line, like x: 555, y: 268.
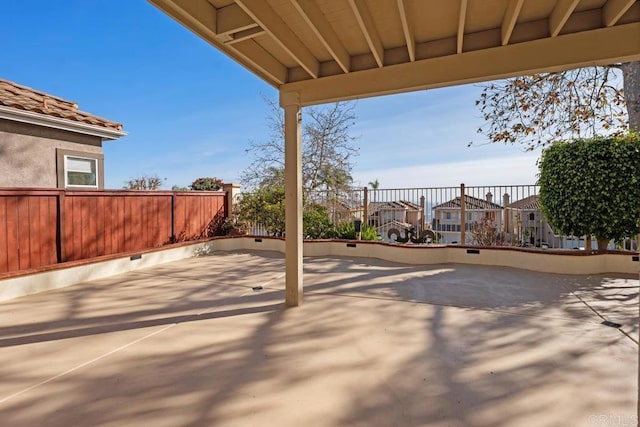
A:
x: 376, y: 344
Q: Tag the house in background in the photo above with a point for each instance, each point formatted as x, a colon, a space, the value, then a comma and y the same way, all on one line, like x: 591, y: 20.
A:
x: 401, y: 215
x: 446, y: 216
x: 47, y: 142
x: 524, y: 222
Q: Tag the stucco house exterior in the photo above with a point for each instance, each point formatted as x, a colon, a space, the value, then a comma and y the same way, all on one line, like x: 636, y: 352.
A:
x: 402, y: 211
x: 47, y: 142
x: 401, y: 215
x: 446, y: 216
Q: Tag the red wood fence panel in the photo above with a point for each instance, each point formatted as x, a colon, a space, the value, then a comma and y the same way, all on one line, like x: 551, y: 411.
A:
x: 42, y: 227
x: 28, y: 230
x: 196, y: 216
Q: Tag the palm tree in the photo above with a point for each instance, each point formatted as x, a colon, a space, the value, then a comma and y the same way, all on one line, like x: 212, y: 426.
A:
x: 374, y: 186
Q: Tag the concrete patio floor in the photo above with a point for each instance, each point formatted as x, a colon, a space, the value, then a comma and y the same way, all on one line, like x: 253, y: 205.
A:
x: 190, y: 343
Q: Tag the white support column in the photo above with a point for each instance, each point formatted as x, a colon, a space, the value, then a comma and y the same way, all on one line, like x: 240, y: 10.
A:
x: 290, y: 101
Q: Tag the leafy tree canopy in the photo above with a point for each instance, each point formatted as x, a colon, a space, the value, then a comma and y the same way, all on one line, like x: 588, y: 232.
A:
x: 592, y: 187
x: 540, y: 109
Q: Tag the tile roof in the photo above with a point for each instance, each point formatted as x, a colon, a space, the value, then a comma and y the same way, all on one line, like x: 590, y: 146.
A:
x: 394, y: 205
x: 469, y: 203
x: 528, y: 203
x: 25, y: 98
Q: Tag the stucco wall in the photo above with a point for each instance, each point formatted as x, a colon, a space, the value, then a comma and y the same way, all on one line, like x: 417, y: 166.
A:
x: 28, y: 153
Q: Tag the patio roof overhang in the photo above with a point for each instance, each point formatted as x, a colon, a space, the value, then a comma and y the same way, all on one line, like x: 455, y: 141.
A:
x: 318, y: 51
x: 329, y: 50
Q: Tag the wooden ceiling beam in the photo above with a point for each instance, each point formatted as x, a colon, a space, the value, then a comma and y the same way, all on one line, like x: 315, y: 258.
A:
x: 548, y: 54
x: 407, y: 29
x: 270, y: 21
x: 198, y: 15
x: 243, y: 35
x: 560, y: 14
x: 462, y: 17
x: 315, y: 19
x: 258, y: 58
x: 365, y: 21
x: 613, y: 10
x: 233, y: 19
x: 509, y: 20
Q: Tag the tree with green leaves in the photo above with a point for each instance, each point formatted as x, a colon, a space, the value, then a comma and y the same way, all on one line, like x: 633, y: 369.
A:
x: 592, y: 187
x: 327, y: 149
x: 537, y: 110
x: 266, y: 207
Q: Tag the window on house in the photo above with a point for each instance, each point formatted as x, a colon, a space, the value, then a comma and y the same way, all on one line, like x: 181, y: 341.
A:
x: 448, y: 215
x: 469, y: 216
x: 80, y: 172
x: 532, y: 217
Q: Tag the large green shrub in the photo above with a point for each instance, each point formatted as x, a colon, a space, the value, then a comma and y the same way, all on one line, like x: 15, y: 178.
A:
x: 265, y: 207
x: 592, y: 187
x: 316, y: 223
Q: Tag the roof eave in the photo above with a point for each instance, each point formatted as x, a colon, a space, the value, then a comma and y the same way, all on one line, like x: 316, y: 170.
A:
x: 37, y: 119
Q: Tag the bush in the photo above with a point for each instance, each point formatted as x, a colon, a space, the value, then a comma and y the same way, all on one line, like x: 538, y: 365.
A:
x: 347, y: 230
x: 316, y: 223
x: 592, y: 187
x: 265, y: 207
x: 207, y: 184
x: 486, y: 233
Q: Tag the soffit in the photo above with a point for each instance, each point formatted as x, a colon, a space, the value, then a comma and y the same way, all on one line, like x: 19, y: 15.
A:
x: 342, y: 49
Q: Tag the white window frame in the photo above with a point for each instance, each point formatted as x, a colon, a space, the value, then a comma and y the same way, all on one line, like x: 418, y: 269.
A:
x: 66, y: 171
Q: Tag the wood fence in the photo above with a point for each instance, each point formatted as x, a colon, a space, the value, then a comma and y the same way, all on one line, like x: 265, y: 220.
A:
x: 43, y: 227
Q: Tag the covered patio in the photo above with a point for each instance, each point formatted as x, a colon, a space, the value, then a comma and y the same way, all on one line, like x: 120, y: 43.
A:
x: 315, y: 52
x: 207, y: 341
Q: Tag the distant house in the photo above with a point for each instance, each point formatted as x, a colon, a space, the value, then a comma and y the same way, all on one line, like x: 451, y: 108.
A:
x: 400, y: 214
x: 525, y: 223
x: 47, y: 142
x: 446, y: 216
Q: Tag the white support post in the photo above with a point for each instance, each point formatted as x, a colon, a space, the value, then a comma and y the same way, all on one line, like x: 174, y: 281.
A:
x: 293, y: 197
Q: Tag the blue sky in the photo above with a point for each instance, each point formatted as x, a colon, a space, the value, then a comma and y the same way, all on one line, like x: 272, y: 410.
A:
x: 191, y: 112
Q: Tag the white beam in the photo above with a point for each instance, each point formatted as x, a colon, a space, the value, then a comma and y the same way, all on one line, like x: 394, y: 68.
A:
x: 363, y: 16
x: 315, y: 19
x: 461, y: 21
x: 560, y: 14
x: 510, y: 19
x: 232, y: 19
x: 407, y: 29
x: 613, y: 10
x: 606, y: 46
x: 271, y: 22
x: 293, y: 198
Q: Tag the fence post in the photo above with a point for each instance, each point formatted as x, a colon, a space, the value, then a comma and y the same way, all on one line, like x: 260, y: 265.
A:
x: 463, y: 215
x: 424, y: 212
x: 231, y: 191
x: 365, y: 209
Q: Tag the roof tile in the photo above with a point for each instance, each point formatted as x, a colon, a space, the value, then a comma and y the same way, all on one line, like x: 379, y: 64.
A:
x: 25, y: 98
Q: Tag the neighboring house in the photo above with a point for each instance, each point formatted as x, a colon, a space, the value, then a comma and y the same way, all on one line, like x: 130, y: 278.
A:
x: 446, y: 216
x: 400, y: 214
x: 525, y: 223
x: 47, y: 142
